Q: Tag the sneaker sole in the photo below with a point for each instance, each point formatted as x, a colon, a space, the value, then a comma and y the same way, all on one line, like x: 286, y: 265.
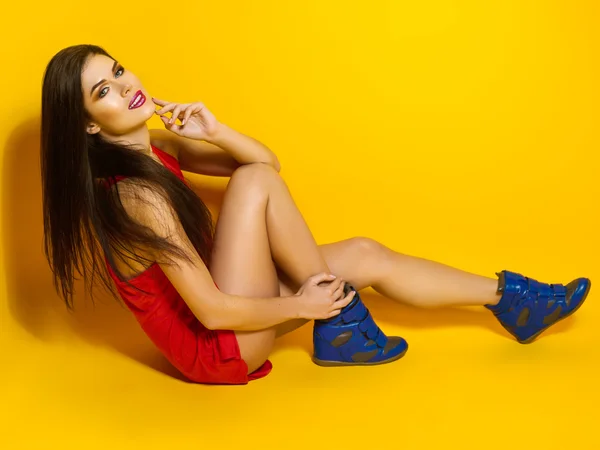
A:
x: 322, y: 363
x: 533, y: 338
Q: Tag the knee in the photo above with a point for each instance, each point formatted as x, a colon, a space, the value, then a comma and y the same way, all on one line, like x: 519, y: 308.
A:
x: 255, y: 179
x: 366, y: 247
x: 256, y: 173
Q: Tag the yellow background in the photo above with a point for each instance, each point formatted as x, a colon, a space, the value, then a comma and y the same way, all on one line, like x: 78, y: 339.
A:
x: 462, y: 131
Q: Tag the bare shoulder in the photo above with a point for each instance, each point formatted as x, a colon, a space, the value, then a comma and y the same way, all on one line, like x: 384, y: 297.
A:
x: 166, y: 141
x: 146, y: 205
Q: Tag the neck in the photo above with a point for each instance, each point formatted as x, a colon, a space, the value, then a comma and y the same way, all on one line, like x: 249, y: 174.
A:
x: 139, y: 137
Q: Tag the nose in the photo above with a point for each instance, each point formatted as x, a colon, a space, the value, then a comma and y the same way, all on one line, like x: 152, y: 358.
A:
x: 126, y: 89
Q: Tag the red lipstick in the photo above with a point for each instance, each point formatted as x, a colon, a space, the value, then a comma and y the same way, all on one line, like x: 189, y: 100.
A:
x: 138, y: 100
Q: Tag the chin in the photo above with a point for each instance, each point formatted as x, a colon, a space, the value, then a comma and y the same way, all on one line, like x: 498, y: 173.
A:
x: 146, y: 111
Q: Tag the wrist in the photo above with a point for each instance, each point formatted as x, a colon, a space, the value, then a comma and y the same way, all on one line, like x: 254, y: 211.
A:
x: 295, y: 306
x: 218, y: 135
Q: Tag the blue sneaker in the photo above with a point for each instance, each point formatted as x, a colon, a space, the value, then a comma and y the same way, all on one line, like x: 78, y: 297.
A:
x: 527, y: 307
x: 353, y: 339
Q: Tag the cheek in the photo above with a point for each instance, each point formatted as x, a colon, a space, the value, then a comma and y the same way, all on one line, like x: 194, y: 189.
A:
x: 109, y: 109
x: 114, y: 104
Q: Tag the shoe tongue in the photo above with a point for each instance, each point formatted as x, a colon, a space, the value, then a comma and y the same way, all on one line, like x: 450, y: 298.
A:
x: 501, y: 282
x: 347, y: 289
x: 504, y: 303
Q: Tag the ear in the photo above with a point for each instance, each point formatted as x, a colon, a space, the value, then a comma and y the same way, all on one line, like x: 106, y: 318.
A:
x: 92, y: 128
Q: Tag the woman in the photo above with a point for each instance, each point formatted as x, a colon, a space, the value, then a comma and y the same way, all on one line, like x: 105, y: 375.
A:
x: 116, y: 204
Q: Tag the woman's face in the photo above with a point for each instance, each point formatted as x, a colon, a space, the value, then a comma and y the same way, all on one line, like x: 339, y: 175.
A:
x: 114, y: 98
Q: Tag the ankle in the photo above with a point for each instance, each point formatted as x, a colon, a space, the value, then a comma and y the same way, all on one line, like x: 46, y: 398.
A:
x: 495, y: 299
x: 496, y: 289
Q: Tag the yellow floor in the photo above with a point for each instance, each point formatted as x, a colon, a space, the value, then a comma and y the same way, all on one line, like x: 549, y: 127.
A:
x: 93, y: 381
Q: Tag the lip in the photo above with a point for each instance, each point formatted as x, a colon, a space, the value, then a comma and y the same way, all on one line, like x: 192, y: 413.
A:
x: 137, y: 100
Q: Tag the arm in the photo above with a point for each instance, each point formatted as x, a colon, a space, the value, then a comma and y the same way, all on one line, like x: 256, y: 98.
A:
x: 196, y: 156
x: 215, y: 309
x: 204, y: 145
x: 244, y: 149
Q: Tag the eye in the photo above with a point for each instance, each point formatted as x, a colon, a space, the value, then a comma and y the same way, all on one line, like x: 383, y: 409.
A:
x: 118, y: 73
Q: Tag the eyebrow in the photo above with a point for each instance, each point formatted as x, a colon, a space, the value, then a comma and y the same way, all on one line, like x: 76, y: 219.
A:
x: 103, y: 80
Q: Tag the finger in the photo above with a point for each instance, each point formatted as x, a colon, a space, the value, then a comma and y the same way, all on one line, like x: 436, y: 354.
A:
x: 175, y: 114
x: 159, y: 102
x: 345, y: 301
x: 320, y: 278
x: 339, y: 292
x: 188, y: 112
x: 166, y: 109
x: 333, y: 287
x: 184, y: 107
x: 170, y: 126
x: 333, y: 313
x: 165, y: 121
x: 199, y: 107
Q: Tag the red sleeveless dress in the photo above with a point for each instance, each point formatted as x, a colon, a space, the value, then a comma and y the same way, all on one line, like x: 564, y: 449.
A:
x: 201, y: 355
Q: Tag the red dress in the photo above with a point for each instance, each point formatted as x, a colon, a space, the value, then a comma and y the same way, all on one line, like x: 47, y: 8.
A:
x: 201, y: 355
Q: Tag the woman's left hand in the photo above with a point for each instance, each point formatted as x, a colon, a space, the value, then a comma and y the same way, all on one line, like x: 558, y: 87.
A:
x: 197, y: 122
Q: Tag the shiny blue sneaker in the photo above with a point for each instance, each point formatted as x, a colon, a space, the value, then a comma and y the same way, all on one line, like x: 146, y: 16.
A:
x: 353, y: 339
x: 527, y: 307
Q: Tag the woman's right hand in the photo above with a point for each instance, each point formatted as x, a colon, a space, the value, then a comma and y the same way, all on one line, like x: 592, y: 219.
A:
x: 322, y: 297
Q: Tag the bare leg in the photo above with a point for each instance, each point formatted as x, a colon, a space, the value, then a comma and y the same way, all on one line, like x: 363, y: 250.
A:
x: 364, y: 262
x: 409, y: 279
x: 259, y: 223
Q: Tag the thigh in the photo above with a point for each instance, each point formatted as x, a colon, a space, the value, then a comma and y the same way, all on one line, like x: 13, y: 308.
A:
x: 241, y: 261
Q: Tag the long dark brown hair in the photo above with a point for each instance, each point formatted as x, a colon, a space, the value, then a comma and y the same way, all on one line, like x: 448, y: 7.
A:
x: 85, y: 223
